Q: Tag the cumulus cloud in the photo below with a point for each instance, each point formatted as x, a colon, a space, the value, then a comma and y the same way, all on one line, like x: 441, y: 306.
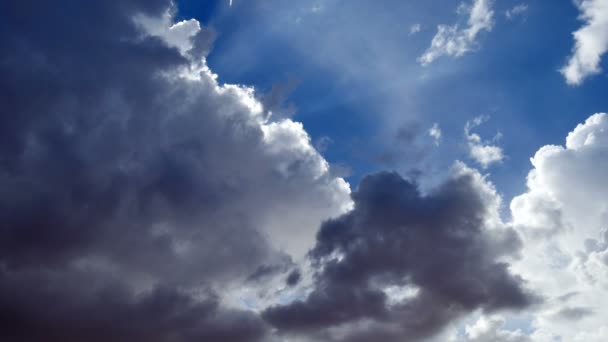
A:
x: 142, y: 200
x: 402, y: 264
x: 455, y: 40
x: 590, y: 42
x: 483, y: 152
x: 136, y: 189
x: 562, y: 219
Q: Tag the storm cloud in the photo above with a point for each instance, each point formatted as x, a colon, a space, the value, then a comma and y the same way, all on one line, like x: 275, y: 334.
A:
x: 133, y: 185
x: 403, y: 264
x: 143, y: 200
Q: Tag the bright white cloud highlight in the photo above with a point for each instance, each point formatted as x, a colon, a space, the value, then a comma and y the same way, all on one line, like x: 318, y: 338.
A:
x: 286, y: 155
x: 178, y: 35
x: 491, y: 329
x: 483, y: 152
x: 456, y: 41
x: 590, y: 42
x: 563, y: 220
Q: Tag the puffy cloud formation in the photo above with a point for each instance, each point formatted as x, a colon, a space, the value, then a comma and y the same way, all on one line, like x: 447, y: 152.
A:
x: 144, y: 201
x: 135, y: 188
x: 590, y: 42
x: 484, y: 153
x: 563, y: 221
x: 455, y: 40
x: 402, y: 264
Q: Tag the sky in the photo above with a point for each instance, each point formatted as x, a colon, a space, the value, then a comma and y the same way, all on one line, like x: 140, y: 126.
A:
x: 304, y: 171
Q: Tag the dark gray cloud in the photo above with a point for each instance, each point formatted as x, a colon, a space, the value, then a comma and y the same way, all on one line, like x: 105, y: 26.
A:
x: 133, y: 200
x: 574, y: 313
x: 96, y: 196
x: 437, y: 243
x: 77, y: 306
x: 268, y: 271
x: 126, y: 189
x: 293, y: 278
x: 105, y: 158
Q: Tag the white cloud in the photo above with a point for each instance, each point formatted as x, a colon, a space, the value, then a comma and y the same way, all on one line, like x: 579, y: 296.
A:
x: 492, y: 329
x: 178, y: 35
x: 456, y: 41
x: 483, y: 152
x: 415, y: 28
x: 591, y: 42
x: 563, y: 219
x: 516, y: 10
x: 280, y: 175
x: 435, y: 133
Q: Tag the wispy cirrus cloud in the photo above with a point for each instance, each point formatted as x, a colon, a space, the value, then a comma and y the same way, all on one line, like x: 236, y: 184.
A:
x: 516, y: 11
x: 407, y: 264
x: 137, y: 188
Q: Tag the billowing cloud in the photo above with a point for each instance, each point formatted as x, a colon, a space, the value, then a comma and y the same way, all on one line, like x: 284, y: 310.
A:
x: 563, y: 220
x: 455, y: 40
x: 136, y: 189
x: 403, y: 264
x: 483, y: 152
x: 142, y: 200
x: 590, y: 42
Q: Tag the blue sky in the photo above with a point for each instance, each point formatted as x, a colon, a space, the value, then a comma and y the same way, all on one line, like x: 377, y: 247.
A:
x: 358, y: 79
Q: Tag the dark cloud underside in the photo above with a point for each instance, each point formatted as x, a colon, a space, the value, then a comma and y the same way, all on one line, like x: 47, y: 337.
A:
x: 395, y: 236
x: 109, y: 176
